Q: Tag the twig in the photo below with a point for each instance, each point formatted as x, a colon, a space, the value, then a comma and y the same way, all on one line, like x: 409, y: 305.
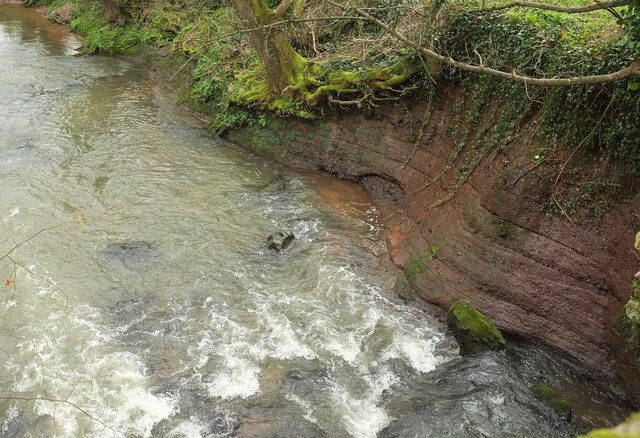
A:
x: 51, y: 282
x: 67, y: 402
x: 564, y: 165
x: 32, y: 237
x: 557, y: 8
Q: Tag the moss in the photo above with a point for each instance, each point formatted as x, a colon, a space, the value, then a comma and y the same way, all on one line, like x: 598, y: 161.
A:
x: 628, y: 429
x: 268, y: 139
x: 503, y: 229
x: 472, y: 329
x: 622, y: 324
x: 415, y: 266
x: 551, y: 397
x: 627, y: 321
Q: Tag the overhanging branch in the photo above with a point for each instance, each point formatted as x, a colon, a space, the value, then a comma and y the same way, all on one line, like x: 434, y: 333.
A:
x: 281, y: 9
x: 557, y: 8
x: 632, y: 70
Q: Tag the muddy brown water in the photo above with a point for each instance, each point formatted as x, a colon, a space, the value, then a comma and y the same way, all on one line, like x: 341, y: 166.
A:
x: 147, y: 304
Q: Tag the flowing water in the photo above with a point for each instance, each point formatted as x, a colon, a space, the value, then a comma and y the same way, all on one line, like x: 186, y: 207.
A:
x: 144, y: 302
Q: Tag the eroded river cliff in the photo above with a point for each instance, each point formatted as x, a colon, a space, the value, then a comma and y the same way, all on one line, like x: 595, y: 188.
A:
x: 141, y: 300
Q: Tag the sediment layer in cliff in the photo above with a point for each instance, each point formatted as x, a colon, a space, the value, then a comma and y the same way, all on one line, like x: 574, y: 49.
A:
x: 493, y: 236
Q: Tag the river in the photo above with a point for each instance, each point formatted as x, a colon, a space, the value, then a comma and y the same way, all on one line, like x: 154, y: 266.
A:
x: 139, y: 298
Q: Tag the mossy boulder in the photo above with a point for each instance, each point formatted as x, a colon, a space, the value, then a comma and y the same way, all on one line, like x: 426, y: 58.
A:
x: 627, y: 321
x: 552, y: 398
x: 628, y: 429
x: 473, y: 331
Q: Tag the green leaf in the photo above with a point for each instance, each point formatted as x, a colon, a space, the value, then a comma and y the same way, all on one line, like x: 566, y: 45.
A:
x: 633, y: 86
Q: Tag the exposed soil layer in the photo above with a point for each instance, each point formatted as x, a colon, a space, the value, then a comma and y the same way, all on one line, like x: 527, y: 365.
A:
x: 492, y: 242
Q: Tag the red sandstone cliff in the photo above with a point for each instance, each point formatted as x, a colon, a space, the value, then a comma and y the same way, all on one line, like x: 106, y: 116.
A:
x: 536, y: 275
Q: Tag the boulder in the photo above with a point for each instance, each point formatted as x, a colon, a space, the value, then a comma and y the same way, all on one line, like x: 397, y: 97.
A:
x: 553, y: 399
x: 473, y: 331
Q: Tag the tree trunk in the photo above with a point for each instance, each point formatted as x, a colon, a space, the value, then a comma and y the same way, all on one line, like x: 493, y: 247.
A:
x: 283, y: 66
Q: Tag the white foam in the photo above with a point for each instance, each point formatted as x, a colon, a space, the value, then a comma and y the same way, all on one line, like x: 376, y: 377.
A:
x: 239, y: 380
x: 345, y: 346
x: 143, y: 409
x: 191, y: 428
x: 12, y: 414
x: 361, y: 417
x: 283, y: 342
x: 308, y: 415
x: 418, y: 352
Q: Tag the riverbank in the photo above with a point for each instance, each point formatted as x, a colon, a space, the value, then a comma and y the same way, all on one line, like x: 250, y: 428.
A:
x: 489, y: 239
x: 485, y: 224
x: 535, y: 234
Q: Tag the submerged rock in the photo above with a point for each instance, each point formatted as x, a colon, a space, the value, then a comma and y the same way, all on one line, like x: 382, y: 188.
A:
x: 126, y: 306
x: 552, y: 398
x: 280, y: 241
x: 277, y: 184
x: 473, y: 331
x: 132, y: 254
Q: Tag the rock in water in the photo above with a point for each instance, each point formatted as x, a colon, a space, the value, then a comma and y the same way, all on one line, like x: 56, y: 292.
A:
x: 279, y: 183
x: 551, y: 397
x: 279, y: 241
x: 287, y: 241
x: 473, y: 331
x: 131, y: 254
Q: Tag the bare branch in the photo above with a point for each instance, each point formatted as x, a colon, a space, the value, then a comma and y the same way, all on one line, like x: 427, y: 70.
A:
x: 289, y: 21
x: 54, y: 400
x: 281, y: 9
x: 30, y: 238
x: 42, y: 277
x: 557, y: 8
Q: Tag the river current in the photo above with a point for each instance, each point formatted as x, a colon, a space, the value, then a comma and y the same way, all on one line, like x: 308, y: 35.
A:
x: 139, y: 298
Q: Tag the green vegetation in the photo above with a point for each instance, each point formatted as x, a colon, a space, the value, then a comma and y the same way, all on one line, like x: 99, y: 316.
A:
x: 628, y: 429
x: 551, y: 397
x: 628, y: 319
x: 415, y: 266
x: 472, y: 329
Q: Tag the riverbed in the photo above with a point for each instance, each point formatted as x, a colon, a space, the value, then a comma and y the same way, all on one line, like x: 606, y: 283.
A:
x: 139, y: 297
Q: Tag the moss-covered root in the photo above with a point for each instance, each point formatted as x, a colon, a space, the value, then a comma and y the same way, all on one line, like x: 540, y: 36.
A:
x: 473, y: 331
x: 628, y: 429
x: 551, y: 397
